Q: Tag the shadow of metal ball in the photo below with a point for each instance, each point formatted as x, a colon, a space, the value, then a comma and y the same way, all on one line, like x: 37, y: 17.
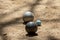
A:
x: 31, y: 27
x: 28, y: 16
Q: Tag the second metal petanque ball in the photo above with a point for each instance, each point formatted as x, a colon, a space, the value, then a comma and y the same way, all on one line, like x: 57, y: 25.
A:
x: 31, y: 27
x: 28, y: 16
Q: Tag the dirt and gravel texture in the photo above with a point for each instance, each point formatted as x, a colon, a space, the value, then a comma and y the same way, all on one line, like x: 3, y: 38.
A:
x: 11, y: 23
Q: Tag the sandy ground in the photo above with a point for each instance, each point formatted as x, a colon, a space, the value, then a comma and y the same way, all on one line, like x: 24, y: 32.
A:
x: 11, y: 23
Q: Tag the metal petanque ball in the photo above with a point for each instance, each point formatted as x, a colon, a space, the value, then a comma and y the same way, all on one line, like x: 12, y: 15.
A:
x: 38, y: 22
x: 31, y: 27
x: 28, y: 16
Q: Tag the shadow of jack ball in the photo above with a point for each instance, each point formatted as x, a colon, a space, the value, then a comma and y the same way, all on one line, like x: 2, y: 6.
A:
x: 31, y: 27
x: 28, y: 16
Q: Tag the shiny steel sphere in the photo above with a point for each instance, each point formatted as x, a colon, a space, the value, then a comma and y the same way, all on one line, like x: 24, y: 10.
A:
x: 28, y: 16
x: 31, y: 27
x: 38, y: 22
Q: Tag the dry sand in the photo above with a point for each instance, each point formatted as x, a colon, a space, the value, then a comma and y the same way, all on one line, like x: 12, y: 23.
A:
x: 11, y: 23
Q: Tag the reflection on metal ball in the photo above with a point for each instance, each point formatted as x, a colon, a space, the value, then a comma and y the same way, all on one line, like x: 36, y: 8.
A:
x: 31, y: 27
x: 28, y: 16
